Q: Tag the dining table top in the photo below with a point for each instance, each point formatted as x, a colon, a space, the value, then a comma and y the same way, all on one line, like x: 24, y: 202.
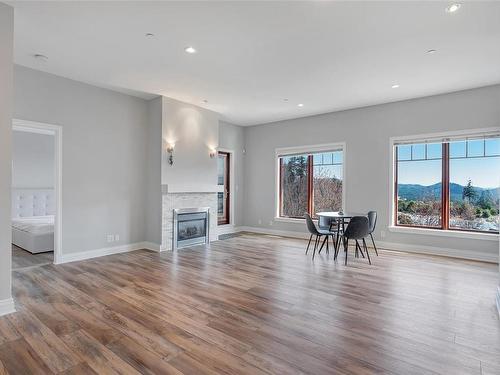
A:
x: 339, y: 214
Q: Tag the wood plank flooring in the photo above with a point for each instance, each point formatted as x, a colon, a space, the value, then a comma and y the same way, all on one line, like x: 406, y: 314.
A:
x: 253, y: 304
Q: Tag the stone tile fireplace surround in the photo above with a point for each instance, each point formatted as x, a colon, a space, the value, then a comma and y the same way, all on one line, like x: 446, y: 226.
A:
x: 175, y: 200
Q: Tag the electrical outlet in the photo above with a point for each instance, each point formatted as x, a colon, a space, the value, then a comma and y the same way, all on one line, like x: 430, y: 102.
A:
x: 260, y: 221
x: 271, y: 222
x: 382, y: 234
x: 110, y: 238
x: 117, y: 237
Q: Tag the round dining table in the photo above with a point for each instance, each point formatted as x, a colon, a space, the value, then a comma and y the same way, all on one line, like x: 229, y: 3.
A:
x: 340, y: 217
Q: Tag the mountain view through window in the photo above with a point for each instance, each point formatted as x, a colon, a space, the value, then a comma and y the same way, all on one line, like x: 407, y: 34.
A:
x: 469, y: 172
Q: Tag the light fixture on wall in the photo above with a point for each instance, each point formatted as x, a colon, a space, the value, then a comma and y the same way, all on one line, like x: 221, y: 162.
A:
x: 453, y: 8
x: 213, y: 153
x: 40, y: 57
x: 170, y: 152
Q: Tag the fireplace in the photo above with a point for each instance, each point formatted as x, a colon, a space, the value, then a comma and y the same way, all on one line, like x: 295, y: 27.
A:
x: 191, y: 227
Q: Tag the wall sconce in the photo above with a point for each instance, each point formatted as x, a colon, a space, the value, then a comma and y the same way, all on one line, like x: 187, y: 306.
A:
x: 170, y: 152
x: 213, y: 153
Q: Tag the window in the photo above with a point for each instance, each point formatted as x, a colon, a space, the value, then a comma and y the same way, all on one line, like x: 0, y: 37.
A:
x: 448, y: 184
x: 310, y: 182
x: 419, y: 176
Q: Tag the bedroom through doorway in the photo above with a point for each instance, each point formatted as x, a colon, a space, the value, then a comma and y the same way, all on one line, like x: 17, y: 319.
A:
x: 34, y: 195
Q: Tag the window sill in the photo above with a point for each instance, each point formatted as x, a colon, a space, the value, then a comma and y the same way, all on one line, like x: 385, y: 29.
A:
x: 290, y: 220
x: 445, y: 233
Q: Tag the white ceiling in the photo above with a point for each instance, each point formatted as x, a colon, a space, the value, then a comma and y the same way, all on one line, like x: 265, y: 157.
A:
x: 252, y: 55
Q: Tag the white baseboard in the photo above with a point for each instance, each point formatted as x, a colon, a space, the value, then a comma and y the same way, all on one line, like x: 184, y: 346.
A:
x: 498, y: 300
x: 7, y: 306
x: 225, y: 229
x: 82, y: 255
x: 151, y: 246
x: 275, y: 232
x: 441, y: 251
x: 418, y: 249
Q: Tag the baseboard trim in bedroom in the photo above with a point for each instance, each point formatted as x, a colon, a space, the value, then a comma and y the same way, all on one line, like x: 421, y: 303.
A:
x: 83, y: 255
x: 408, y: 248
x: 7, y: 306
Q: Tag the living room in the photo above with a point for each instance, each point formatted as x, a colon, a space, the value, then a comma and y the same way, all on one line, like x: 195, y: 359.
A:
x: 251, y: 187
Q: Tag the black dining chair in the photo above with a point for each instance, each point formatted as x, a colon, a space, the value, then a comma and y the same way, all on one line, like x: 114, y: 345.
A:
x: 318, y: 233
x: 324, y: 222
x: 357, y: 229
x: 328, y: 224
x: 372, y: 222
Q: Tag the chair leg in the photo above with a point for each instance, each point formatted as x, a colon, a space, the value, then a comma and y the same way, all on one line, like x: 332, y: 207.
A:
x: 310, y: 238
x: 346, y: 246
x: 323, y: 244
x: 373, y: 241
x: 316, y: 243
x: 336, y: 252
x: 360, y: 249
x: 367, y: 253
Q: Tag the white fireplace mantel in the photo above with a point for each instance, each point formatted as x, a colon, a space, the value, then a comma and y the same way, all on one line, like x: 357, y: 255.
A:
x: 191, y: 188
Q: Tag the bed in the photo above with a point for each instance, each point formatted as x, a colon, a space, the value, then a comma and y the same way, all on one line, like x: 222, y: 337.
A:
x: 33, y: 219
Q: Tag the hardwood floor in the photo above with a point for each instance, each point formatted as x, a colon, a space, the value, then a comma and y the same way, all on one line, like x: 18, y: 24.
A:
x: 24, y: 259
x: 253, y: 304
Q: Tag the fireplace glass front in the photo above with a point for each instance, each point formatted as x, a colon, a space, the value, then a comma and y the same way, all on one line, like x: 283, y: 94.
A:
x: 190, y: 227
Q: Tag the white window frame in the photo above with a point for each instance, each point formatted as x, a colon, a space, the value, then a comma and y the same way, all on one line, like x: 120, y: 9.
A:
x: 284, y: 151
x: 430, y: 231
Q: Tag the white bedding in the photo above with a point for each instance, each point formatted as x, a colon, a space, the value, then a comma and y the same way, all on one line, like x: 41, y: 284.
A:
x: 34, y: 224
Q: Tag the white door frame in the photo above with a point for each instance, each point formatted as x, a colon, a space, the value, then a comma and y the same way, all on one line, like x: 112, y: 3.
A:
x: 56, y: 131
x: 231, y: 187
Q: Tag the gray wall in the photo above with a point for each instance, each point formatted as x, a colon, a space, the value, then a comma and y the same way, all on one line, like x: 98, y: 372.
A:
x: 366, y: 132
x: 104, y: 153
x: 32, y: 160
x: 194, y: 131
x: 153, y: 168
x: 231, y: 137
x: 6, y: 78
x: 112, y: 155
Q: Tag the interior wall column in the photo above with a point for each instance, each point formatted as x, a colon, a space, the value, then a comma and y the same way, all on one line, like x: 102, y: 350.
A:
x: 6, y: 98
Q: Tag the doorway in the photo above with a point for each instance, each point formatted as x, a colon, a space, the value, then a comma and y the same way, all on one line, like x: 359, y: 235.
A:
x: 224, y: 216
x: 36, y: 194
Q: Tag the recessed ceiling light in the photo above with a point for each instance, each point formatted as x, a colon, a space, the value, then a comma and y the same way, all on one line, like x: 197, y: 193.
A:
x: 190, y: 49
x: 149, y: 35
x: 300, y: 105
x: 431, y: 51
x: 40, y: 57
x: 395, y: 86
x: 453, y: 7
